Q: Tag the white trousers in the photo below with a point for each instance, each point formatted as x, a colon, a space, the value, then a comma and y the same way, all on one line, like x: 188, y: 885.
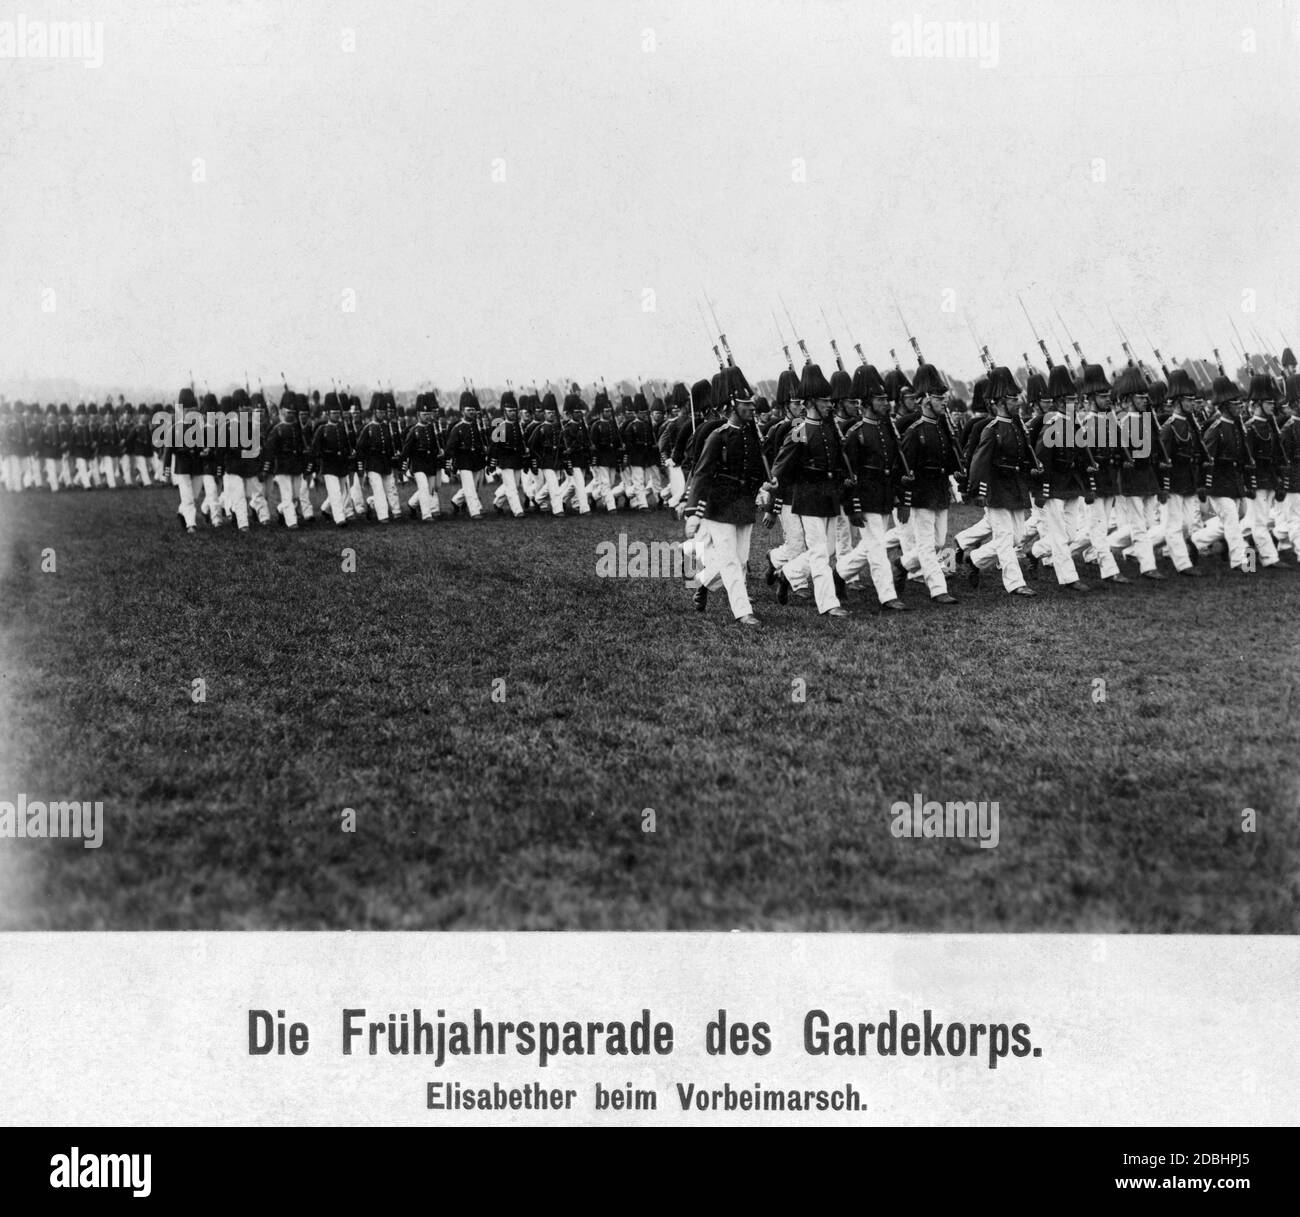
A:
x: 871, y: 552
x: 637, y: 487
x: 727, y: 561
x: 469, y: 492
x: 603, y: 482
x: 814, y: 564
x: 1141, y: 517
x: 1097, y: 524
x: 1228, y: 519
x: 1062, y: 521
x: 335, y: 495
x: 508, y: 491
x: 426, y: 495
x: 185, y: 486
x: 1258, y: 511
x: 1000, y: 549
x: 676, y: 485
x: 928, y: 532
x: 976, y: 534
x: 383, y: 495
x: 242, y: 493
x: 793, y: 544
x: 1177, y: 517
x: 14, y: 473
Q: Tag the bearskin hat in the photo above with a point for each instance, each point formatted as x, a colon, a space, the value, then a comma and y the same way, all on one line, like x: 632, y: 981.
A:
x: 813, y: 383
x: 787, y: 387
x: 1094, y: 379
x: 928, y: 381
x: 1180, y: 384
x: 1035, y: 388
x: 1157, y: 392
x: 1224, y: 390
x: 1288, y: 357
x: 467, y: 401
x: 573, y: 403
x: 1262, y: 388
x: 701, y: 391
x: 1060, y: 383
x: 737, y: 383
x: 1130, y: 382
x: 867, y: 383
x: 680, y: 396
x: 1002, y: 384
x: 841, y: 386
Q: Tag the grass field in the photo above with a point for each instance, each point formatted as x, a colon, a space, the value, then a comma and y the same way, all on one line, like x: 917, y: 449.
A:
x: 373, y: 691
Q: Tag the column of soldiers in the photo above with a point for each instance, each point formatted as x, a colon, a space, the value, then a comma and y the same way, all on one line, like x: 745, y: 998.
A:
x: 337, y: 461
x: 861, y: 472
x: 1074, y: 473
x: 88, y: 447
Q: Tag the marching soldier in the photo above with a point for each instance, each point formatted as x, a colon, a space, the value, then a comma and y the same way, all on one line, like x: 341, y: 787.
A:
x: 1000, y: 472
x: 1226, y: 470
x: 607, y: 447
x: 421, y: 459
x: 548, y: 455
x: 971, y: 429
x: 1100, y: 426
x: 140, y: 448
x: 83, y: 452
x: 641, y: 453
x: 1288, y: 511
x: 284, y: 457
x: 1265, y: 445
x: 13, y: 445
x: 1067, y: 483
x: 720, y: 504
x: 375, y: 455
x: 812, y: 460
x: 931, y: 454
x: 872, y: 449
x: 465, y: 455
x: 577, y: 444
x: 509, y: 455
x: 1140, y: 477
x: 331, y: 456
x: 1180, y: 442
x: 183, y: 462
x: 243, y: 485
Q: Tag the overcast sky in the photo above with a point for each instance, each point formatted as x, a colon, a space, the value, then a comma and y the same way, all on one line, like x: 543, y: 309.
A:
x: 1138, y: 155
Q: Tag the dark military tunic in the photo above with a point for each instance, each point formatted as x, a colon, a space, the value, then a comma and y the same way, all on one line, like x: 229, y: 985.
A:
x: 811, y: 463
x: 1226, y: 475
x: 999, y: 470
x: 728, y: 476
x: 872, y: 451
x: 932, y: 458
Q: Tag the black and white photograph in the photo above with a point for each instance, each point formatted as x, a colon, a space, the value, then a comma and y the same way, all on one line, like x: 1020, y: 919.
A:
x: 775, y: 469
